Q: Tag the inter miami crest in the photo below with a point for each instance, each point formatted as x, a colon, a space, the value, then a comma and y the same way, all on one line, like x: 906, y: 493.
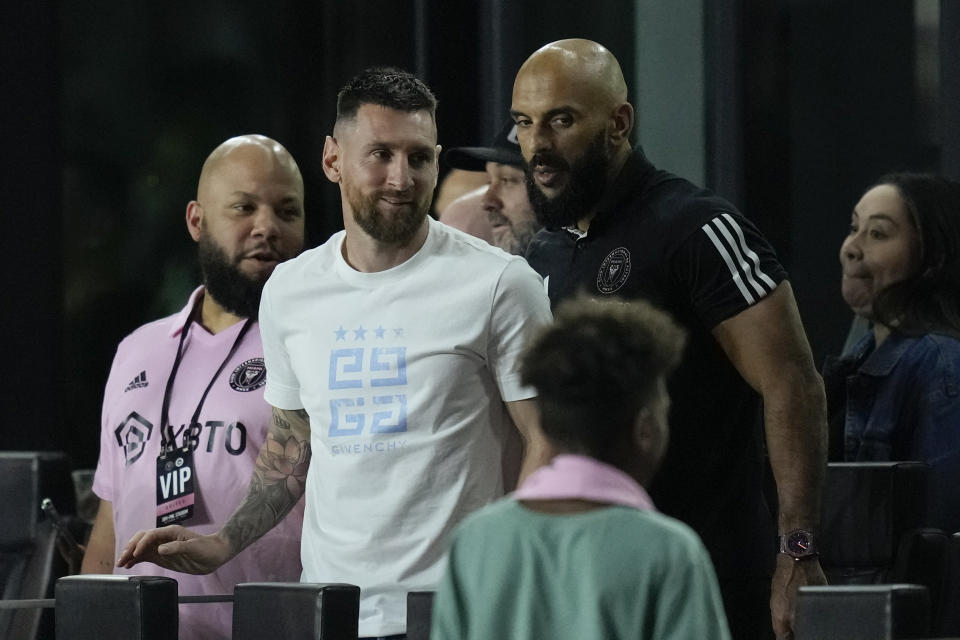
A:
x: 614, y: 270
x: 250, y: 375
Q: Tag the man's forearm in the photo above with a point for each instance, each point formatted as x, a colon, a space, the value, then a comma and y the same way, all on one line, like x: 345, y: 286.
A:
x: 536, y: 450
x: 99, y: 556
x: 795, y: 421
x: 278, y: 480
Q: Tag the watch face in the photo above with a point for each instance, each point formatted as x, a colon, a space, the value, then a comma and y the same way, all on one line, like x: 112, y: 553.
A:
x: 799, y: 543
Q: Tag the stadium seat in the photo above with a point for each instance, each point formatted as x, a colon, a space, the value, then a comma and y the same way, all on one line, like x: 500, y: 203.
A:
x: 295, y: 610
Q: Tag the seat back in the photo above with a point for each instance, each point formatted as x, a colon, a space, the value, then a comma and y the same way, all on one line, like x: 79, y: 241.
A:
x: 867, y: 507
x: 947, y: 622
x: 29, y: 562
x: 26, y: 477
x: 922, y: 559
x: 94, y: 607
x: 295, y: 610
x: 862, y: 612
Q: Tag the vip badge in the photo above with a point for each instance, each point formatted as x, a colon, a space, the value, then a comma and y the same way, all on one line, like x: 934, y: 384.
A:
x: 175, y: 487
x: 614, y: 270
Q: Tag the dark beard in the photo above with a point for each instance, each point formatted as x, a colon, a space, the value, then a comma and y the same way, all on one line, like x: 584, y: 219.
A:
x: 231, y: 288
x: 397, y: 230
x: 585, y: 186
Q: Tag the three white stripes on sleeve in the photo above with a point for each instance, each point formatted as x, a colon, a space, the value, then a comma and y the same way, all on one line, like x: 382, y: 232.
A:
x: 743, y: 262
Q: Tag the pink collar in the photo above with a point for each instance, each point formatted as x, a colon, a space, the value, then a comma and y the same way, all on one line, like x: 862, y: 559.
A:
x: 583, y: 478
x: 182, y: 319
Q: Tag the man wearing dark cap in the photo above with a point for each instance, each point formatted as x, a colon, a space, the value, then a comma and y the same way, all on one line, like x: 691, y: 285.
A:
x: 505, y: 199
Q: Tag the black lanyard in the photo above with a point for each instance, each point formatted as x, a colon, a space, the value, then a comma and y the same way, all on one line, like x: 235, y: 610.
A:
x: 165, y: 408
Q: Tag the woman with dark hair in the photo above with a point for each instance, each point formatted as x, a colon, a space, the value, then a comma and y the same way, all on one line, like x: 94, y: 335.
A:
x: 896, y: 396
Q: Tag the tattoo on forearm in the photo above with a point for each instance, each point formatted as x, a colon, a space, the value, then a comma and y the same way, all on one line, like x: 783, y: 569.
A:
x: 278, y: 481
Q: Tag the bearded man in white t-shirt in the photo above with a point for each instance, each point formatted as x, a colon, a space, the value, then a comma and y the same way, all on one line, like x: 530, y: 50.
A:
x: 183, y: 410
x: 393, y: 351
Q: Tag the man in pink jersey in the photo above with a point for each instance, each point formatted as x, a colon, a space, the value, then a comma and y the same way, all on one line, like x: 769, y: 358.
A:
x: 183, y: 411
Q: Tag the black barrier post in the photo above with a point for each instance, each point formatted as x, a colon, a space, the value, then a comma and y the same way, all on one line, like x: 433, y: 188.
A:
x: 419, y: 614
x: 295, y: 610
x: 93, y: 607
x: 863, y: 612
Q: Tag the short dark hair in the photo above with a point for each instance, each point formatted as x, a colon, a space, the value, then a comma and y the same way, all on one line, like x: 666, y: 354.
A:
x: 387, y: 87
x: 929, y: 299
x: 596, y: 367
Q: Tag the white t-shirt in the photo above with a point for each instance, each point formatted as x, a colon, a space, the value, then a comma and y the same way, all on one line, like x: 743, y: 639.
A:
x: 403, y: 373
x: 233, y: 426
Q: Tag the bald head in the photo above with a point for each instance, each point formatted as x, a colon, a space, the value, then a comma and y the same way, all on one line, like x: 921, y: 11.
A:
x: 252, y: 150
x: 455, y: 184
x: 467, y: 213
x: 584, y: 66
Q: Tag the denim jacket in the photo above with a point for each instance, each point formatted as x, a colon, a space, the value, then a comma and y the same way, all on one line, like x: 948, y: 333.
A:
x: 901, y: 401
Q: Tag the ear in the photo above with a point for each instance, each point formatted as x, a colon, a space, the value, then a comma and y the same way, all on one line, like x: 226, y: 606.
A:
x: 194, y: 219
x: 621, y: 123
x: 645, y: 432
x: 331, y: 159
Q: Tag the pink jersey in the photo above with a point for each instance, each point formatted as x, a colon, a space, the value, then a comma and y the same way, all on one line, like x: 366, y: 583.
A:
x: 233, y: 421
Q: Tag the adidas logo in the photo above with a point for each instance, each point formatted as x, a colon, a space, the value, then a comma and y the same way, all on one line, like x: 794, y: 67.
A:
x: 137, y: 383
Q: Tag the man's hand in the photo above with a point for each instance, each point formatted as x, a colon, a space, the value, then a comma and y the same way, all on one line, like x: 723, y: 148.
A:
x: 177, y: 548
x: 790, y: 574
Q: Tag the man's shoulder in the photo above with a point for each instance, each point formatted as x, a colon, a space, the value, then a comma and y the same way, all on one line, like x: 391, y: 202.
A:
x: 456, y: 255
x: 676, y: 204
x: 462, y: 246
x: 150, y: 335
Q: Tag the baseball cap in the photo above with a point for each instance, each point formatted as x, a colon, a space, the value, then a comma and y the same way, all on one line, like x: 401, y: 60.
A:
x: 504, y: 149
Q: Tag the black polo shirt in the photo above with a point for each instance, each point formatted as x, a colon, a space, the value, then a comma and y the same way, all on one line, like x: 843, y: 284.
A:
x: 659, y: 237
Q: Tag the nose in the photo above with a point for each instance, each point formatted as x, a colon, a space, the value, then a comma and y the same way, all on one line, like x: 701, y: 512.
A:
x: 541, y: 137
x: 399, y: 175
x: 533, y: 139
x: 491, y: 198
x: 850, y: 249
x: 265, y: 223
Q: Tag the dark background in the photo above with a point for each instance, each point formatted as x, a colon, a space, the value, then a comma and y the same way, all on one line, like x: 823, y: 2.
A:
x: 109, y: 109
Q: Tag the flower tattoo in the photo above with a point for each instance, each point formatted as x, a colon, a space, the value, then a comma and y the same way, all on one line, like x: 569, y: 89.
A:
x: 284, y: 462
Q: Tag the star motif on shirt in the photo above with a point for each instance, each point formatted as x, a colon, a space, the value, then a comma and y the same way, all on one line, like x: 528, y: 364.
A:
x: 341, y: 334
x: 398, y: 333
x: 380, y: 331
x: 360, y: 334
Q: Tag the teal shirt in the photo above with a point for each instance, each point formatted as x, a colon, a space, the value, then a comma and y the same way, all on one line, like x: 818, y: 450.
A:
x: 614, y: 572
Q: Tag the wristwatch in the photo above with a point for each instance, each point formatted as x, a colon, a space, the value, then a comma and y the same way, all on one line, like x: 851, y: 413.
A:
x: 798, y: 544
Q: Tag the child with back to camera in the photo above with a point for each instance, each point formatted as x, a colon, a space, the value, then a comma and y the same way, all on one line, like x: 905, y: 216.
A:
x: 579, y: 551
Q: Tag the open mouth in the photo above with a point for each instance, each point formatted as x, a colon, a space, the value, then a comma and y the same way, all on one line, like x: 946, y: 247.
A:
x: 262, y: 257
x: 547, y: 176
